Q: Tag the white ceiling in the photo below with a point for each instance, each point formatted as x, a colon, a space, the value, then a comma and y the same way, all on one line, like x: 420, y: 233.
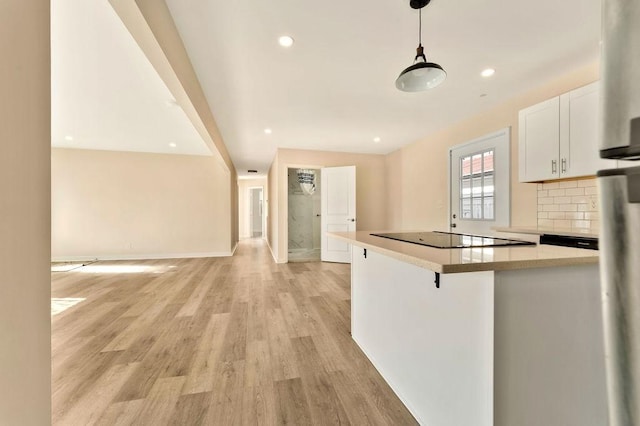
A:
x: 333, y: 90
x: 105, y: 93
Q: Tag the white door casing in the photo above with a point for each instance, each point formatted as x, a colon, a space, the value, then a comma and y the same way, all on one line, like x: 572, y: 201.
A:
x: 338, y: 197
x: 480, y: 167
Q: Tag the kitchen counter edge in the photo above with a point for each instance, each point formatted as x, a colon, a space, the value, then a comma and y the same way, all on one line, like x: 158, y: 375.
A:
x: 525, y: 257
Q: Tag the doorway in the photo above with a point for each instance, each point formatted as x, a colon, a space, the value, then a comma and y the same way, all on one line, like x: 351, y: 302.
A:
x: 480, y: 184
x: 256, y: 221
x: 303, y: 199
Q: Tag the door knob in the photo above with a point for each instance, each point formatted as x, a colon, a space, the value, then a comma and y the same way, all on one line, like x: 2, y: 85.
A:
x: 351, y: 220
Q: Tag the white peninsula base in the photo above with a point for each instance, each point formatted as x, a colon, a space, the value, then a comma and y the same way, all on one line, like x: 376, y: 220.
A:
x: 515, y: 347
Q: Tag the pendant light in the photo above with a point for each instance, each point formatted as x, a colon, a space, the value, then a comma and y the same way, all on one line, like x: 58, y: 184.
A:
x: 422, y: 75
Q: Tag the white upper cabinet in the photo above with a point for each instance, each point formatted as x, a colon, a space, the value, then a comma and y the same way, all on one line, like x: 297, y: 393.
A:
x: 539, y: 139
x: 558, y: 138
x: 579, y: 132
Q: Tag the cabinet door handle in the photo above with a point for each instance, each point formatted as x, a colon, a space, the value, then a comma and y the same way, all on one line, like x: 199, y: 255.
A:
x: 564, y: 165
x: 553, y: 166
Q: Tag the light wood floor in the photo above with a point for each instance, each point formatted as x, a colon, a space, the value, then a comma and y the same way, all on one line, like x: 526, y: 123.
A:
x: 223, y: 341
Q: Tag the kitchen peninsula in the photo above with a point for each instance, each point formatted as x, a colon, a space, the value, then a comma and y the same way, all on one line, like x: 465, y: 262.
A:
x: 483, y: 335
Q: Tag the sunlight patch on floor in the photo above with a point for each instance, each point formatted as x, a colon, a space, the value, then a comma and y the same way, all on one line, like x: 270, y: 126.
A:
x: 66, y: 266
x: 120, y: 269
x: 61, y: 304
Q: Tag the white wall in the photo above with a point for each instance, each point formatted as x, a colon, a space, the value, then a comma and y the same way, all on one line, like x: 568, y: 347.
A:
x: 119, y: 205
x: 25, y: 281
x: 243, y: 203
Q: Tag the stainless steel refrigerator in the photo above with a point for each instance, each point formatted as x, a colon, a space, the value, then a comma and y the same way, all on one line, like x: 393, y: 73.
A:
x: 620, y: 208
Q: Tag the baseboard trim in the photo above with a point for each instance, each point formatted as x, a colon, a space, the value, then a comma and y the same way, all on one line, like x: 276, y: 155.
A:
x: 233, y: 252
x: 275, y: 259
x: 141, y: 256
x: 74, y: 259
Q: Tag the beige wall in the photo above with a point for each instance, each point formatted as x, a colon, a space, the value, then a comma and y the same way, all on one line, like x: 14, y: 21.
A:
x: 138, y: 205
x: 370, y: 189
x: 272, y: 207
x: 151, y: 25
x: 233, y: 209
x: 243, y: 202
x: 418, y: 195
x: 25, y: 140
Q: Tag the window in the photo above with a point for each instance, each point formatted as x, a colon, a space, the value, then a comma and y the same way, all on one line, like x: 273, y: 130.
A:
x: 477, y: 198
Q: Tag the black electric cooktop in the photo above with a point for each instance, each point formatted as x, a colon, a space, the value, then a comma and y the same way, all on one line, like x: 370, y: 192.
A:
x: 450, y: 240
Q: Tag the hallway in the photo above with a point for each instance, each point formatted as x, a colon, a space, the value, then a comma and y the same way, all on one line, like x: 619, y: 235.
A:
x: 215, y: 341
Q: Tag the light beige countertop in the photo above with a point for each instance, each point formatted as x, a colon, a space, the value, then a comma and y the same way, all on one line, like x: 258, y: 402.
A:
x: 448, y: 261
x: 533, y: 230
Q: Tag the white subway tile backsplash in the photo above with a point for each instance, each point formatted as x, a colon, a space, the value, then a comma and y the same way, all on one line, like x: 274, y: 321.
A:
x: 568, y: 207
x: 561, y: 200
x: 556, y: 193
x: 587, y: 183
x: 545, y: 200
x: 575, y: 191
x: 591, y: 190
x: 569, y: 204
x: 581, y: 224
x: 579, y: 200
x: 556, y: 215
x: 566, y: 224
x: 568, y: 184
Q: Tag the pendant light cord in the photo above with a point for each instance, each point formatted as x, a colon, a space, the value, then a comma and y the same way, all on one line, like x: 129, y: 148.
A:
x: 420, y: 29
x: 420, y: 50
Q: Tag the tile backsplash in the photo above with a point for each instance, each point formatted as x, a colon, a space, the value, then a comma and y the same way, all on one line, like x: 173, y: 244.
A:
x: 569, y: 205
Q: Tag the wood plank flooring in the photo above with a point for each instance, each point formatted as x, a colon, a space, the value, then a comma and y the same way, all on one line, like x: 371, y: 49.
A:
x: 218, y: 341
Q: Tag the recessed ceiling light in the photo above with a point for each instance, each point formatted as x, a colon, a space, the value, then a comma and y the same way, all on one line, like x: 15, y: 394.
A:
x: 68, y: 138
x: 286, y: 41
x: 268, y: 131
x: 173, y: 145
x: 376, y: 139
x: 488, y: 72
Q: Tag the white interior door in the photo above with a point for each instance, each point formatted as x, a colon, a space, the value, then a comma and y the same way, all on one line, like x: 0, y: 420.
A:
x: 480, y: 184
x: 338, y: 206
x: 255, y: 212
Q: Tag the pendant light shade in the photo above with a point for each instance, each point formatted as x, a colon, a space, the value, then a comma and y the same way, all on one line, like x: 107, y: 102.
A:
x: 422, y: 75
